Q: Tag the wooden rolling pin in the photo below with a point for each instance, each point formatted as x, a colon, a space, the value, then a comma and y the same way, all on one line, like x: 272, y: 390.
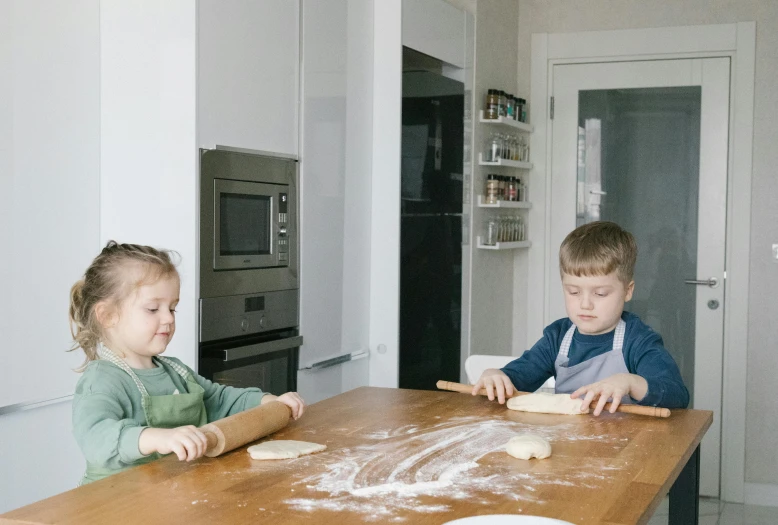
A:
x: 247, y: 426
x: 628, y: 409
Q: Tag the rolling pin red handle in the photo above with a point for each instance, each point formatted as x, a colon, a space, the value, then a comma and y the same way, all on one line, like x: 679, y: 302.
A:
x: 627, y: 409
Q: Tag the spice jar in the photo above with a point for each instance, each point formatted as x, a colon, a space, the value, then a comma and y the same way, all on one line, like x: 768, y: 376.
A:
x: 492, y: 192
x: 491, y: 231
x: 512, y: 189
x: 493, y: 149
x: 507, y: 144
x: 510, y: 108
x: 492, y: 105
x: 503, y: 103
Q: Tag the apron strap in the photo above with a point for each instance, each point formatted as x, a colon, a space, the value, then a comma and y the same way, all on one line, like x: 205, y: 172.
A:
x: 618, y: 339
x: 567, y: 340
x: 183, y: 372
x: 108, y: 355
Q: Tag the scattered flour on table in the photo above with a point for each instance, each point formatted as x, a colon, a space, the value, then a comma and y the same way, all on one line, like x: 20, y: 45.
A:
x: 405, y: 467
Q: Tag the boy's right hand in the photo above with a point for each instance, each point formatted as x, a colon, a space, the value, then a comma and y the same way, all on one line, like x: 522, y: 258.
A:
x: 187, y: 442
x: 496, y: 383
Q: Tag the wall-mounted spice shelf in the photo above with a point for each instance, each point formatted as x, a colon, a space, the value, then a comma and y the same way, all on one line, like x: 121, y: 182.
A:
x: 509, y: 122
x: 505, y: 162
x: 503, y: 204
x: 504, y: 245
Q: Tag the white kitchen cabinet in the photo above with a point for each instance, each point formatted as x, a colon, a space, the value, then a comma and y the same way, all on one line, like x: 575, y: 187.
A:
x: 335, y: 189
x: 248, y: 70
x: 49, y: 232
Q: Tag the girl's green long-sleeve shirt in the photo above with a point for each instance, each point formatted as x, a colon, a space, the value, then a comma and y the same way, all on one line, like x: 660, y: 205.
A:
x: 108, y: 416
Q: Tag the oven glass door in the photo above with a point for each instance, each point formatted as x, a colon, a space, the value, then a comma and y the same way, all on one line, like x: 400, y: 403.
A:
x: 267, y: 361
x: 246, y: 225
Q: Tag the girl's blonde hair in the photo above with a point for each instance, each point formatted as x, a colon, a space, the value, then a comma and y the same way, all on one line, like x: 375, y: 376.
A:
x: 599, y: 248
x: 110, y: 278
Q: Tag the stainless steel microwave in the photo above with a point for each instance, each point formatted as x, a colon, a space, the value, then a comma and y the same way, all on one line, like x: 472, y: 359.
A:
x: 248, y: 223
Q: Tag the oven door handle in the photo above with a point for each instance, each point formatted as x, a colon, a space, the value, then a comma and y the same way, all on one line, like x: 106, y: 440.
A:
x: 242, y: 352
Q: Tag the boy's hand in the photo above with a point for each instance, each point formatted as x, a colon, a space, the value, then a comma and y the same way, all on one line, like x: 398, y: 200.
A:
x: 495, y: 382
x: 614, y: 387
x: 290, y: 399
x: 187, y: 442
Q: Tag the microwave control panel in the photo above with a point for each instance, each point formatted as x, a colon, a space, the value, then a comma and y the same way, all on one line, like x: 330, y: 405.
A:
x: 282, y: 237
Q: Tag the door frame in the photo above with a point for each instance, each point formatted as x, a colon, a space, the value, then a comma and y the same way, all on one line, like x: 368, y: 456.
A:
x: 737, y: 41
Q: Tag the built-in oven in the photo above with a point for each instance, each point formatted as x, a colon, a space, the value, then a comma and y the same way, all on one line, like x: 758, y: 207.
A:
x: 248, y: 330
x: 269, y: 361
x: 251, y: 340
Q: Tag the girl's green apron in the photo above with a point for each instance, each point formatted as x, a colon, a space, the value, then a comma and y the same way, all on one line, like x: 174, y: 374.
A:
x: 169, y: 411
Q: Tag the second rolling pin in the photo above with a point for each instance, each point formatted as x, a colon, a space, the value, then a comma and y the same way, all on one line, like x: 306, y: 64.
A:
x: 237, y: 430
x: 629, y: 409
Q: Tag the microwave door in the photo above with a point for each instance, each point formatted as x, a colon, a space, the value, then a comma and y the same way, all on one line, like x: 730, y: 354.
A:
x: 245, y: 225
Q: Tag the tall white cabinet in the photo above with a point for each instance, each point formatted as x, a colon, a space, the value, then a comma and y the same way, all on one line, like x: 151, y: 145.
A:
x: 49, y: 231
x: 247, y: 74
x: 335, y: 187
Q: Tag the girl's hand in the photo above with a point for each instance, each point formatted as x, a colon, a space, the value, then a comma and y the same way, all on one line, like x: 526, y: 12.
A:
x: 495, y: 382
x: 290, y: 399
x: 188, y: 442
x: 614, y: 387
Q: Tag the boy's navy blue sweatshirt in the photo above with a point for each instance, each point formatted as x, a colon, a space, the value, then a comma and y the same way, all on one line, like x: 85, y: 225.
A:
x: 644, y: 355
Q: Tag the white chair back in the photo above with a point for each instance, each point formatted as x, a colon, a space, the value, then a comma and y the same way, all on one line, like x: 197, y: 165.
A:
x: 476, y: 364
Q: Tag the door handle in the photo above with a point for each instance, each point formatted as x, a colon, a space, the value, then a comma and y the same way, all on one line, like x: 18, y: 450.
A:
x: 712, y: 282
x: 233, y: 354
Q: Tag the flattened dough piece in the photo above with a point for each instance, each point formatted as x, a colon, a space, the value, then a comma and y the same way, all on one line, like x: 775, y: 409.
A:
x: 283, y: 449
x: 547, y: 404
x: 526, y: 446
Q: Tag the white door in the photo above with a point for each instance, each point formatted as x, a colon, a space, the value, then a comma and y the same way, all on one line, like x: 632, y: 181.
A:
x: 644, y: 144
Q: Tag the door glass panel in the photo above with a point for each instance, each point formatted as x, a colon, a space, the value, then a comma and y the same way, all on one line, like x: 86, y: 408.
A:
x: 430, y: 223
x: 638, y: 166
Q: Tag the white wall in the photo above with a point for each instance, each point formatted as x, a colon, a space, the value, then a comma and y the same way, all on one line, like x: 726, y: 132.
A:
x: 492, y: 317
x: 148, y: 164
x: 248, y: 67
x: 555, y: 16
x: 385, y: 194
x: 49, y: 230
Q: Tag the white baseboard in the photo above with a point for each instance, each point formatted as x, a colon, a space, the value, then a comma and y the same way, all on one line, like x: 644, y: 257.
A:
x: 761, y: 494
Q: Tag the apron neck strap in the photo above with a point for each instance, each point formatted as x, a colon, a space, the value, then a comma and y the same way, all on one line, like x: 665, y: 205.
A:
x: 108, y: 355
x: 618, y: 338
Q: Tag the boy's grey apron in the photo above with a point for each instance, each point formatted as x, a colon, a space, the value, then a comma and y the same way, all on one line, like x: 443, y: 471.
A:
x: 571, y: 378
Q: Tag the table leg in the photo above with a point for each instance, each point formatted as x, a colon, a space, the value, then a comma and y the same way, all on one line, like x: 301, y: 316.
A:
x: 685, y: 494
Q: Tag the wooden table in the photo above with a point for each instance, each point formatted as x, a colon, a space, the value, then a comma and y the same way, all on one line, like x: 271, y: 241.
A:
x: 416, y: 457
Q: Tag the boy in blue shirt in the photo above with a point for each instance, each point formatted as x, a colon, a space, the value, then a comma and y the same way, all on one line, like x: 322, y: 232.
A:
x: 599, y: 351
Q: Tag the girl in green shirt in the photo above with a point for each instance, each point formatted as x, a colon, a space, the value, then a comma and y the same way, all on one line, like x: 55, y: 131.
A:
x: 132, y: 405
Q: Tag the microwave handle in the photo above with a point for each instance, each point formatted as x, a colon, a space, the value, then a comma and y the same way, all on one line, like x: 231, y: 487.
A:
x: 242, y: 352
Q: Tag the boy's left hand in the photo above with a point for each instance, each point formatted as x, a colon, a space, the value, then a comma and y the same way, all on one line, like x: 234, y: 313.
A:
x: 290, y: 399
x: 614, y: 387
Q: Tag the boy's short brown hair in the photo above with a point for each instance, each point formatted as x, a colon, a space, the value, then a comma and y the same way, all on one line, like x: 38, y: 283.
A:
x: 599, y: 248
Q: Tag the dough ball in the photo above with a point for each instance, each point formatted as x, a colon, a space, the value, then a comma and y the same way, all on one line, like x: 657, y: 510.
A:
x: 547, y: 404
x: 526, y: 446
x: 283, y: 449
